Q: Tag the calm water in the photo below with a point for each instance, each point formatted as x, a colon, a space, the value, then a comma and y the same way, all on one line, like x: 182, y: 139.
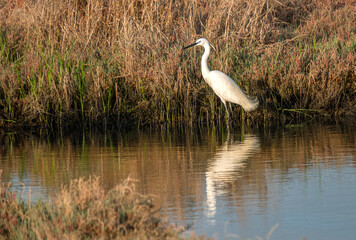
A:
x: 299, y: 181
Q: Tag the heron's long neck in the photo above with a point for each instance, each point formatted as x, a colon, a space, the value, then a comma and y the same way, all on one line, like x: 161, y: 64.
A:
x: 204, y: 61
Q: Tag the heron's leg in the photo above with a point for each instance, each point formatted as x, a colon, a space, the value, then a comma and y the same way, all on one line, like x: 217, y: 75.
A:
x: 227, y: 111
x: 228, y: 117
x: 232, y: 113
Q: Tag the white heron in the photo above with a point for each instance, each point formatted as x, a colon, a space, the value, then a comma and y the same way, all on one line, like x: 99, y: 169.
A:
x: 224, y: 86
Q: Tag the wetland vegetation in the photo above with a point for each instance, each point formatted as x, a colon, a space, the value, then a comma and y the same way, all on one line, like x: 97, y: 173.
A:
x: 84, y: 210
x: 64, y: 63
x: 120, y: 62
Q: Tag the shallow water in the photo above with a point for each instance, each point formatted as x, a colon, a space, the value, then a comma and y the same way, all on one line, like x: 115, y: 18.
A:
x: 284, y: 182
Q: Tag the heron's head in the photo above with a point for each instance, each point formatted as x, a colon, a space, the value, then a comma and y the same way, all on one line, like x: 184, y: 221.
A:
x: 201, y: 41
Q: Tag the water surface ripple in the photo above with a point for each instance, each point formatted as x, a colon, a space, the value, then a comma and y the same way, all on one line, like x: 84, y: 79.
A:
x: 299, y: 181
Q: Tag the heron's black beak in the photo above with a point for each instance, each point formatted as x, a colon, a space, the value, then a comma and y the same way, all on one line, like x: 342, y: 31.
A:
x: 191, y: 45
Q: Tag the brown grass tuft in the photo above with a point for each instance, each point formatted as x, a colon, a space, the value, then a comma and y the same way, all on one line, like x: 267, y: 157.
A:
x: 83, y: 210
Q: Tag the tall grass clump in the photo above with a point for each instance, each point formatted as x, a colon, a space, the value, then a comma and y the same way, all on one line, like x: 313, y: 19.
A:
x: 68, y: 62
x: 83, y: 210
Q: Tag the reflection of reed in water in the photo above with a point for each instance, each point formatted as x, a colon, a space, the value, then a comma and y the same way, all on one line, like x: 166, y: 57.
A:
x: 224, y: 167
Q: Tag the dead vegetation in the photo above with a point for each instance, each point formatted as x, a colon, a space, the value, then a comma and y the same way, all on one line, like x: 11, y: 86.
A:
x: 83, y: 210
x: 68, y: 62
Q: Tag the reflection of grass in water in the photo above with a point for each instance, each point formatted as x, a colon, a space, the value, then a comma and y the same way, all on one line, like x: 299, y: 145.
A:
x: 84, y: 210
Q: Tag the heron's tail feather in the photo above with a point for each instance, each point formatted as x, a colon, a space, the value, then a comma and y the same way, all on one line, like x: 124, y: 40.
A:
x: 250, y: 103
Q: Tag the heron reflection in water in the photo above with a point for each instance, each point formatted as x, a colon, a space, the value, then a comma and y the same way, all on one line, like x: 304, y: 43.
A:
x: 225, y: 165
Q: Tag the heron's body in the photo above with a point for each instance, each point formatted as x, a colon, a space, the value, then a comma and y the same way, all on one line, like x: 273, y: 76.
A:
x: 224, y: 86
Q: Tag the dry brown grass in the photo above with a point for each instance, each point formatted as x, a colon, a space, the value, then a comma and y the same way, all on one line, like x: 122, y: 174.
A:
x: 121, y: 61
x: 83, y: 210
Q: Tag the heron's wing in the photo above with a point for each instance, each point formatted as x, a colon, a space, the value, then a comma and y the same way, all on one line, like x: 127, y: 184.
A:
x: 227, y: 89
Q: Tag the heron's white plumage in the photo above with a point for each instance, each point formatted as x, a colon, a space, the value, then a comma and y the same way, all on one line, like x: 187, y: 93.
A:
x: 224, y: 86
x: 228, y: 91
